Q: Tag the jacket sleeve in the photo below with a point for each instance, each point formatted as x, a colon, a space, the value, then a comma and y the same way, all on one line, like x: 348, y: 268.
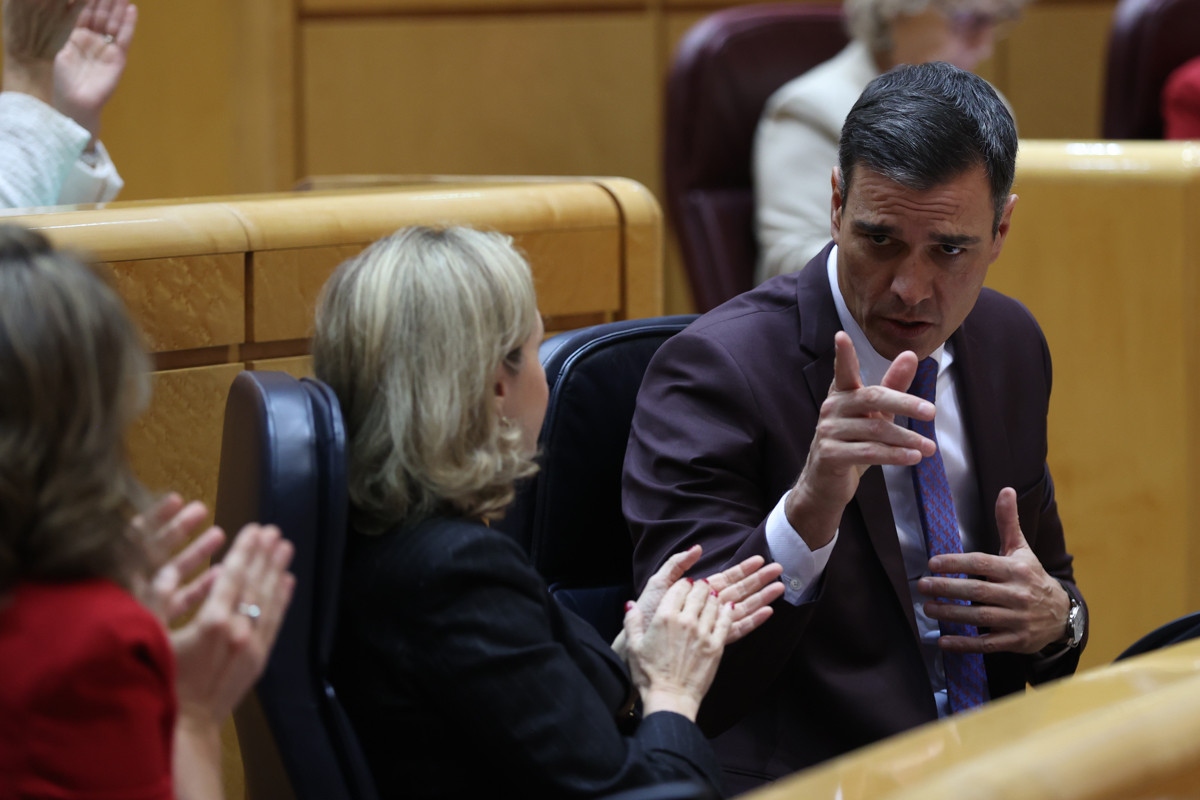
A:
x: 495, y: 656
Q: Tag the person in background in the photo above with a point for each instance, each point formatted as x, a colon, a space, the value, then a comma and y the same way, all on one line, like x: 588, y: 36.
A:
x: 97, y: 699
x: 796, y: 142
x: 1181, y: 102
x: 63, y: 60
x: 462, y: 675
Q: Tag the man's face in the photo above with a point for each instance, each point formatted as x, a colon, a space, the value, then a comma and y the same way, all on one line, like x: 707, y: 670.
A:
x: 911, y: 264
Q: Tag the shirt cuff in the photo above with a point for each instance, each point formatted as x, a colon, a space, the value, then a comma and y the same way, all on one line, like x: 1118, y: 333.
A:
x: 802, y: 568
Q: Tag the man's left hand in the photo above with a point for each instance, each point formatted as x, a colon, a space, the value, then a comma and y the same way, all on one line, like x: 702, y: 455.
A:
x: 1012, y: 595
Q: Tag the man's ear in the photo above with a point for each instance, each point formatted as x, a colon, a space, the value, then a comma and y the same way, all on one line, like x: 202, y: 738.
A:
x: 1003, y: 227
x: 835, y: 205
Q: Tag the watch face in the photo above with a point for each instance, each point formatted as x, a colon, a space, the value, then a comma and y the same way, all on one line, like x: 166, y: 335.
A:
x: 1075, y: 621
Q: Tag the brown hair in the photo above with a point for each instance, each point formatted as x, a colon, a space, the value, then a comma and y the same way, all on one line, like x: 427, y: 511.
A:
x: 73, y: 375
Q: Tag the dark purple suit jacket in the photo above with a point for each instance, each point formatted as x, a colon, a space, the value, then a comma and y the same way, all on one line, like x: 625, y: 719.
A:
x: 723, y: 424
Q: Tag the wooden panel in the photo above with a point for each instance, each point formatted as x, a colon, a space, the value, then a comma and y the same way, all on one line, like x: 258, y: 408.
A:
x: 1123, y: 342
x: 296, y: 366
x: 575, y: 272
x: 285, y: 285
x: 512, y: 205
x: 188, y: 302
x: 176, y: 444
x: 492, y: 95
x: 642, y: 248
x: 124, y: 232
x: 192, y: 119
x: 1054, y: 70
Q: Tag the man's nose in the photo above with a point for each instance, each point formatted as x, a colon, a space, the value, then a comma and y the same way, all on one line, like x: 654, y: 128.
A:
x: 912, y: 281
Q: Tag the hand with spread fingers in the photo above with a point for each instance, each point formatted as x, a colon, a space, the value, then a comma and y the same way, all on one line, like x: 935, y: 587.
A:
x: 89, y: 66
x: 1022, y: 608
x: 856, y: 430
x: 164, y: 527
x: 674, y: 654
x: 223, y: 649
x: 751, y: 586
x: 221, y: 652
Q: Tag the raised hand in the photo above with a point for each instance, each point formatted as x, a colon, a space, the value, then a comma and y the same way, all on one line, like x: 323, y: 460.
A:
x: 673, y: 655
x: 89, y: 66
x: 856, y: 430
x: 163, y: 528
x: 222, y: 650
x: 1011, y: 594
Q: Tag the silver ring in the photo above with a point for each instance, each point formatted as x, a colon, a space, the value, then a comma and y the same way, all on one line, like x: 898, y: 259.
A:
x: 109, y: 38
x: 250, y: 610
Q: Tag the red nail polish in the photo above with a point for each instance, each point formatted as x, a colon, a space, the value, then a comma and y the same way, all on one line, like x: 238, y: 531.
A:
x: 713, y: 593
x: 628, y: 605
x: 689, y: 580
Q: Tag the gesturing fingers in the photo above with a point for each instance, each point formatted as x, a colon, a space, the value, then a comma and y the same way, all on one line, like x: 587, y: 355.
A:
x: 1008, y: 523
x: 846, y: 374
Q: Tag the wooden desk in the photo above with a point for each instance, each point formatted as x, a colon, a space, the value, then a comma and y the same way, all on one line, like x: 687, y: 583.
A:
x: 1124, y: 732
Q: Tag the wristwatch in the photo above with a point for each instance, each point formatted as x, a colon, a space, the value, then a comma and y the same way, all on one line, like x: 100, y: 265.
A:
x: 1076, y: 619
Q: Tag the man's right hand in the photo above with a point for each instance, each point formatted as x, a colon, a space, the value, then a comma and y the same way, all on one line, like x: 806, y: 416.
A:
x: 856, y: 430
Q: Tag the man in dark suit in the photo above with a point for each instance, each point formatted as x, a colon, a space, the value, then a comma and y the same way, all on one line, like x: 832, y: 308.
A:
x: 886, y: 622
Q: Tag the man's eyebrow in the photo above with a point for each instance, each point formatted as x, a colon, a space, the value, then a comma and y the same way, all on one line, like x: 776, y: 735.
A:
x: 873, y: 228
x: 955, y: 239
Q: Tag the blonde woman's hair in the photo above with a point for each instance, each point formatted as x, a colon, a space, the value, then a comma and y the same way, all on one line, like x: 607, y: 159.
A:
x: 870, y: 21
x: 409, y: 335
x: 73, y: 375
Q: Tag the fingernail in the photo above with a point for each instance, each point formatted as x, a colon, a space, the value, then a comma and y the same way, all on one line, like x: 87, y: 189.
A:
x: 689, y: 580
x: 628, y: 605
x: 733, y: 606
x: 713, y: 592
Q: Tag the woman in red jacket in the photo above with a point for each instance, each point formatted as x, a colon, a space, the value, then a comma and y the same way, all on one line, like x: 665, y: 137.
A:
x: 97, y: 700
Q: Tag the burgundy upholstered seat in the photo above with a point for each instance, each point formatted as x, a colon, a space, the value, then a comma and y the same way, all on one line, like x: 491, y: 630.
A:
x: 726, y: 67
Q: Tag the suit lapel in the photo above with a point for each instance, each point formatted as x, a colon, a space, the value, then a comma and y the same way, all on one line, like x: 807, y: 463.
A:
x: 983, y: 423
x: 818, y: 324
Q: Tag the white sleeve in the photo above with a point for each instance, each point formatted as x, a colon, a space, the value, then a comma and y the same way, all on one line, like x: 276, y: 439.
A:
x: 802, y: 568
x: 795, y: 151
x: 97, y: 182
x: 38, y: 148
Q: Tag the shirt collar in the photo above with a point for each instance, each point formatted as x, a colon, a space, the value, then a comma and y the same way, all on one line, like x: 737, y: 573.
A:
x: 872, y: 366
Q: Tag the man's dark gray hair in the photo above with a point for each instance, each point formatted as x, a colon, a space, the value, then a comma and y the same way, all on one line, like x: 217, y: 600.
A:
x: 924, y: 125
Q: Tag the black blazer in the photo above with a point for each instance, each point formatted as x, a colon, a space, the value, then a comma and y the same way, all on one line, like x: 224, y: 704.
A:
x: 463, y: 677
x: 723, y: 424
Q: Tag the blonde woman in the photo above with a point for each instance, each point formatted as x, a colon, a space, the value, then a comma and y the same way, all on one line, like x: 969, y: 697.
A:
x: 96, y: 699
x: 462, y: 675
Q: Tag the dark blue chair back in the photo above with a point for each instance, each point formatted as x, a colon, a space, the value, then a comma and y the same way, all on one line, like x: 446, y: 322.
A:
x: 283, y: 462
x: 1174, y: 632
x: 568, y: 517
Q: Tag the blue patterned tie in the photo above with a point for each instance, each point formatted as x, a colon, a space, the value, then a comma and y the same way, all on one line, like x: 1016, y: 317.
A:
x: 966, y: 678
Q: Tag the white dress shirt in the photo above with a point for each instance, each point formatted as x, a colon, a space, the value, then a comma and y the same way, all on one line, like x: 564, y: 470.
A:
x: 802, y: 568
